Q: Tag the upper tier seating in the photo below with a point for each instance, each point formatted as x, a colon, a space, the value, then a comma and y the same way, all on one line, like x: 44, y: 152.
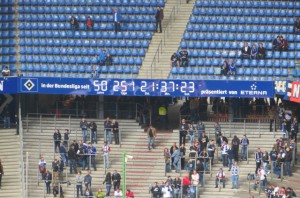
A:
x: 49, y: 47
x: 217, y: 31
x: 7, y: 36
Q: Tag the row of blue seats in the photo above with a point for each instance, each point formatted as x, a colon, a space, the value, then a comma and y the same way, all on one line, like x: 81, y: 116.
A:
x: 7, y: 51
x: 228, y: 45
x: 7, y: 59
x: 77, y: 68
x: 217, y: 62
x: 7, y: 26
x: 7, y: 34
x: 6, y: 18
x: 246, y: 12
x: 6, y: 10
x: 81, y: 75
x: 243, y: 20
x: 6, y: 3
x: 248, y: 4
x: 103, y: 26
x: 237, y: 37
x: 85, y: 10
x: 7, y: 42
x: 76, y: 60
x: 85, y: 43
x: 239, y: 71
x: 114, y: 3
x: 12, y: 67
x: 296, y: 73
x: 240, y: 28
x: 78, y: 51
x: 96, y: 18
x: 84, y: 34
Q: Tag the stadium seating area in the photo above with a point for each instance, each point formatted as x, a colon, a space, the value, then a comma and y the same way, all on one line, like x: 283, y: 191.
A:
x: 218, y: 29
x: 7, y: 35
x: 49, y: 47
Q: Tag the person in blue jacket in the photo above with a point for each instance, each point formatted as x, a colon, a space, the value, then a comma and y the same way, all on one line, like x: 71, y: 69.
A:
x: 102, y: 57
x: 176, y: 162
x: 117, y: 20
x: 92, y: 151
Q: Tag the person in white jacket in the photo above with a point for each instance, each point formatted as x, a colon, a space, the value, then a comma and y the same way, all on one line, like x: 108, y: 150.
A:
x: 118, y: 193
x: 167, y: 190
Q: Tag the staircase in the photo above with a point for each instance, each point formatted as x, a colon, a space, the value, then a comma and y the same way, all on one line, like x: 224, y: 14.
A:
x: 10, y: 152
x: 171, y: 40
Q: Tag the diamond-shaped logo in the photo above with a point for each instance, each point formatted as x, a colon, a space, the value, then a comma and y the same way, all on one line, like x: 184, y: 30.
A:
x: 29, y: 84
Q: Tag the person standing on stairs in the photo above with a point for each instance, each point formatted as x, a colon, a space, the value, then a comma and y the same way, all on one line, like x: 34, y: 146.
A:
x: 42, y: 167
x: 48, y: 180
x: 159, y: 16
x: 107, y: 130
x: 235, y: 171
x: 107, y: 181
x: 211, y: 151
x: 172, y: 150
x: 73, y: 159
x: 106, y: 149
x: 84, y: 126
x: 93, y: 127
x: 177, y: 161
x: 116, y: 178
x: 220, y: 178
x: 244, y: 143
x: 266, y: 160
x: 1, y: 173
x: 258, y: 159
x: 155, y: 190
x: 184, y: 127
x: 56, y: 139
x: 151, y: 134
x: 224, y: 149
x: 230, y: 157
x: 115, y: 129
x: 235, y: 147
x: 79, y: 181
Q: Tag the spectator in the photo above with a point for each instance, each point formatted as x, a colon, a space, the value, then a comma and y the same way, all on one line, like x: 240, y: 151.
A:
x: 288, y: 161
x: 66, y: 137
x: 230, y: 156
x: 254, y: 52
x: 151, y: 134
x: 167, y: 190
x: 1, y: 173
x: 174, y: 61
x: 88, y: 193
x: 60, y: 165
x: 182, y: 150
x: 48, y: 179
x: 89, y: 24
x: 167, y: 156
x: 284, y: 46
x: 176, y: 162
x: 118, y: 193
x: 155, y: 190
x: 177, y: 187
x: 107, y: 181
x: 261, y: 54
x: 246, y: 51
x: 224, y: 149
x: 116, y: 178
x: 184, y: 61
x: 172, y: 150
x: 266, y: 160
x: 235, y: 147
x: 211, y: 151
x: 294, y: 129
x: 42, y: 167
x: 105, y: 150
x: 84, y: 126
x: 297, y: 26
x: 184, y: 127
x: 235, y: 175
x: 262, y: 177
x: 117, y: 20
x: 82, y: 155
x: 129, y: 194
x: 107, y: 129
x: 195, y: 179
x: 271, y: 114
x: 79, y: 181
x: 275, y: 44
x: 258, y: 159
x: 5, y: 72
x: 56, y: 139
x: 56, y: 191
x: 93, y: 127
x: 102, y: 57
x: 185, y: 184
x: 74, y: 24
x: 191, y: 134
x: 220, y: 178
x: 63, y: 153
x: 100, y: 193
x: 159, y: 16
x: 203, y: 141
x: 224, y: 68
x: 204, y: 159
x: 87, y: 180
x: 108, y: 60
x: 92, y: 154
x: 115, y: 129
x: 244, y: 143
x: 55, y: 170
x: 231, y: 68
x: 200, y: 171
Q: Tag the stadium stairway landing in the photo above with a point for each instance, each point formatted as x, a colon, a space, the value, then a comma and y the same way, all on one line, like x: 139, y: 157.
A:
x: 172, y: 41
x: 10, y: 156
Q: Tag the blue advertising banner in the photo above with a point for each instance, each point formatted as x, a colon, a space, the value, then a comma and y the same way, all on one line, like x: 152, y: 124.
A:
x: 147, y: 87
x: 8, y: 85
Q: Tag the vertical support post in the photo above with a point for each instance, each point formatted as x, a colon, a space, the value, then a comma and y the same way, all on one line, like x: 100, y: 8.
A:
x: 181, y: 191
x: 210, y: 167
x: 44, y: 190
x: 217, y: 155
x: 120, y: 142
x: 27, y: 195
x: 230, y: 127
x: 54, y: 149
x: 74, y: 191
x: 55, y: 121
x: 272, y: 167
x: 124, y: 173
x: 69, y: 123
x: 259, y: 129
x: 247, y: 154
x: 281, y: 171
x: 136, y: 111
x: 37, y: 177
x: 40, y: 123
x: 244, y: 126
x: 26, y: 121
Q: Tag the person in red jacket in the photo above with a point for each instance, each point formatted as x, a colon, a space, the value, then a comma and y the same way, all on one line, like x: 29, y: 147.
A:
x: 220, y: 178
x: 186, y: 182
x: 129, y: 194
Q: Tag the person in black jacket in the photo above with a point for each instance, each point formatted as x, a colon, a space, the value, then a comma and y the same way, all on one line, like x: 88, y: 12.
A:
x: 72, y: 158
x: 155, y: 190
x: 93, y: 127
x: 261, y: 54
x: 200, y: 171
x: 159, y: 16
x: 74, y: 24
x: 55, y: 170
x: 246, y: 51
x: 66, y: 137
x: 115, y: 130
x: 288, y: 160
x: 48, y: 179
x: 108, y: 183
x: 184, y: 127
x: 116, y: 178
x: 57, y: 139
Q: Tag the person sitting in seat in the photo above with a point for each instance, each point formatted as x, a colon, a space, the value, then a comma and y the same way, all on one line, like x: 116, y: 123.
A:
x: 74, y: 23
x: 174, y: 61
x: 102, y: 57
x: 246, y: 51
x: 283, y: 44
x: 220, y: 178
x: 184, y: 61
x: 231, y: 68
x: 275, y: 44
x: 108, y: 60
x: 89, y: 24
x: 5, y: 72
x: 224, y: 68
x: 297, y: 26
x: 254, y: 52
x: 261, y: 54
